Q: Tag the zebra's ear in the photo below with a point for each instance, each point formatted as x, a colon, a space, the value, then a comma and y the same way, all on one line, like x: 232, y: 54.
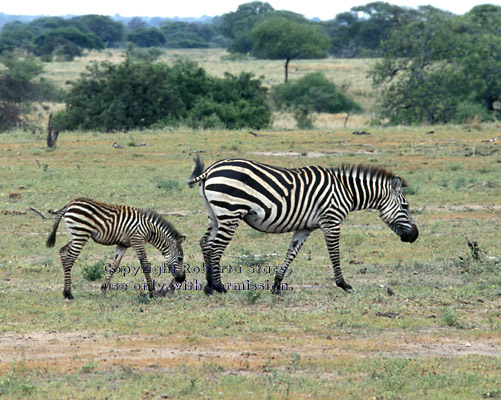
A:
x: 181, y: 239
x: 396, y: 184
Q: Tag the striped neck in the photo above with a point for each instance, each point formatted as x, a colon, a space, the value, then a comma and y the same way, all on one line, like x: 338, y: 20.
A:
x: 162, y: 232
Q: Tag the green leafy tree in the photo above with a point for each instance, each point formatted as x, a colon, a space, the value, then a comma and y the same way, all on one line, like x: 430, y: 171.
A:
x: 149, y: 37
x: 18, y: 87
x: 16, y: 35
x: 480, y: 55
x: 65, y: 42
x: 437, y: 68
x: 237, y: 26
x: 280, y: 38
x: 185, y: 35
x: 110, y: 32
x: 360, y: 31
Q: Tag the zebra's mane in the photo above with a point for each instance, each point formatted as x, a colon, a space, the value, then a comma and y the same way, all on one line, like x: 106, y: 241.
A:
x: 162, y: 223
x: 368, y: 172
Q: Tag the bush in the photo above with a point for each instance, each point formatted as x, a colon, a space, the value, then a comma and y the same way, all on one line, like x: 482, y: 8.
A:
x: 93, y: 272
x: 313, y: 91
x: 144, y: 94
x: 120, y: 97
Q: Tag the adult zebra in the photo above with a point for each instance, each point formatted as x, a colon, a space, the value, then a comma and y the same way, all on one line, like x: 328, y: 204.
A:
x: 300, y: 200
x: 123, y: 226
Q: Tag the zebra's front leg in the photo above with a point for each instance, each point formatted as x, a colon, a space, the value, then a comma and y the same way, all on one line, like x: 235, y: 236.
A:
x: 117, y: 258
x: 145, y: 266
x: 221, y: 240
x: 331, y: 232
x: 295, y: 245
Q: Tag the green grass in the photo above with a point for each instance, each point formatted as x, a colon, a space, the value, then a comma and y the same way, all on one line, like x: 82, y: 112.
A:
x: 436, y: 337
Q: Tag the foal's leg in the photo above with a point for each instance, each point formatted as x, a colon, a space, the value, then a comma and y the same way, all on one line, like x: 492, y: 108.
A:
x: 117, y: 258
x: 145, y: 265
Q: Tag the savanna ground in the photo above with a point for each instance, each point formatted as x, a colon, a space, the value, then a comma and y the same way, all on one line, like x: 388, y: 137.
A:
x: 424, y: 321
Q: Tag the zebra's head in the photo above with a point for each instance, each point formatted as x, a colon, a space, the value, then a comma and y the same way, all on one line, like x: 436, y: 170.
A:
x: 174, y: 259
x: 394, y: 211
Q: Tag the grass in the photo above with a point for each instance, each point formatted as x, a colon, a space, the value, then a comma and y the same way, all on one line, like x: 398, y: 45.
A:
x: 436, y: 337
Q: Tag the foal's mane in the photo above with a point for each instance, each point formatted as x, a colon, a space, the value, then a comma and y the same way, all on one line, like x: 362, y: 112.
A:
x: 162, y: 223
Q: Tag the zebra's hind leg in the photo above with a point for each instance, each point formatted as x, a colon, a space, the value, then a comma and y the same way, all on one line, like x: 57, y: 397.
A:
x: 223, y: 235
x: 206, y: 245
x: 117, y: 258
x: 297, y: 241
x: 69, y: 253
x: 331, y: 232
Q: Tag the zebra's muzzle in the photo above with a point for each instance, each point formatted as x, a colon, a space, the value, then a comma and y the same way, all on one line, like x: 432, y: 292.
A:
x: 180, y: 278
x: 410, y: 236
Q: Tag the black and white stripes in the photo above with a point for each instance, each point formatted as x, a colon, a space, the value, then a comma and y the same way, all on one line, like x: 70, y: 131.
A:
x: 122, y: 226
x: 300, y: 200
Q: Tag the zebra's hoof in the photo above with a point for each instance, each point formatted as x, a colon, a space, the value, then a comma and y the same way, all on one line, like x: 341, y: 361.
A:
x: 347, y: 288
x: 220, y: 289
x: 67, y: 294
x: 275, y: 289
x: 208, y: 290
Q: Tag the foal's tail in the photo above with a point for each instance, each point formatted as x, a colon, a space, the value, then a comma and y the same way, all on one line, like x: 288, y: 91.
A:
x: 51, y: 240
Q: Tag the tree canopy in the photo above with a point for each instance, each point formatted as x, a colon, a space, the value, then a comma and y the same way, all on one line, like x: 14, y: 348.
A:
x: 287, y: 39
x: 439, y: 69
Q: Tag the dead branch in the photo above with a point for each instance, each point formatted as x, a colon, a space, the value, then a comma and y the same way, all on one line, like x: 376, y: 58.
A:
x: 51, y: 136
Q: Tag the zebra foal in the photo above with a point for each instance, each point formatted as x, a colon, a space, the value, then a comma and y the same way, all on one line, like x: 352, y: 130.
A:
x: 300, y: 200
x: 122, y: 226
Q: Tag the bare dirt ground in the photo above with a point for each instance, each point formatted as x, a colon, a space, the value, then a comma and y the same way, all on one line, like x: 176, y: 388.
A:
x: 69, y: 351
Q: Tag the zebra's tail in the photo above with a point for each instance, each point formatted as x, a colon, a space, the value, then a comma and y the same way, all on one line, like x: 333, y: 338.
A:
x: 51, y: 240
x: 197, y: 175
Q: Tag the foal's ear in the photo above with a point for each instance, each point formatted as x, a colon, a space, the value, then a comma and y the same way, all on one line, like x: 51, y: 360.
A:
x: 181, y: 239
x: 396, y: 184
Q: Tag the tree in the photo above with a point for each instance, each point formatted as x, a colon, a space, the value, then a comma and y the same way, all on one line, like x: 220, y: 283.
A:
x: 283, y: 38
x: 150, y: 37
x: 187, y: 35
x: 109, y: 31
x: 437, y: 68
x: 360, y: 31
x: 16, y: 35
x: 480, y: 57
x: 237, y: 26
x: 17, y: 87
x: 65, y: 42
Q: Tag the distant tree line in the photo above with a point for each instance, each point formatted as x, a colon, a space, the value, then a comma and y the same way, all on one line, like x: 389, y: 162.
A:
x: 433, y: 66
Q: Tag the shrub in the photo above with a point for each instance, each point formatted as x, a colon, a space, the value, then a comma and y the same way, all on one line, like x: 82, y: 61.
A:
x: 314, y: 91
x: 142, y: 94
x: 93, y: 272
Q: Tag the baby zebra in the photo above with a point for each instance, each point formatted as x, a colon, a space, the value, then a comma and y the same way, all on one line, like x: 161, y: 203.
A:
x: 117, y: 225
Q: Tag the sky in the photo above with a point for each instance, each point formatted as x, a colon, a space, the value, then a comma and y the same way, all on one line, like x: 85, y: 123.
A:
x: 323, y: 9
